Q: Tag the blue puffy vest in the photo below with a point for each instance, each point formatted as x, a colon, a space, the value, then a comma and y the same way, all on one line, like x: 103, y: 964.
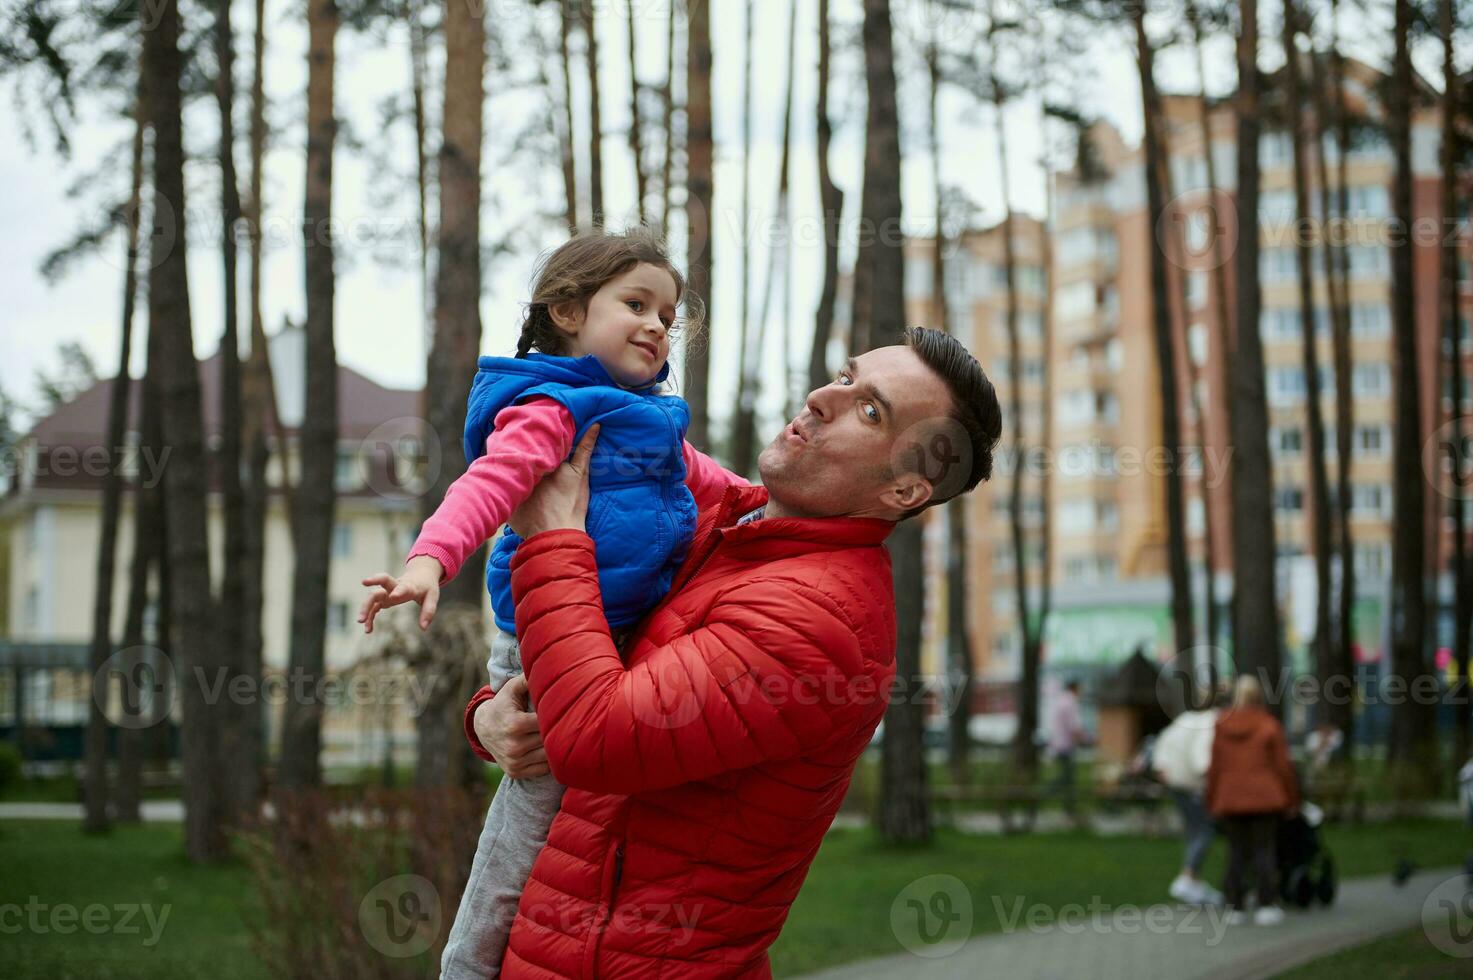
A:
x: 641, y: 516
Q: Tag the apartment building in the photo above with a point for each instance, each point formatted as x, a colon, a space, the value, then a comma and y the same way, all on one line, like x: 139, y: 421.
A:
x: 1107, y: 501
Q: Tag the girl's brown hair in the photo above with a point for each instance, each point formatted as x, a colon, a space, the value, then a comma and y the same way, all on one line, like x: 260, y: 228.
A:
x: 576, y: 270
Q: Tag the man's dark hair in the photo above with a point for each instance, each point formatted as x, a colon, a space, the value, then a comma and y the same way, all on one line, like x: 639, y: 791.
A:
x: 974, y: 407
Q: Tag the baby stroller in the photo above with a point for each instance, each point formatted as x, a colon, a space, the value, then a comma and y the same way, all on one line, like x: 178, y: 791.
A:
x: 1306, y: 867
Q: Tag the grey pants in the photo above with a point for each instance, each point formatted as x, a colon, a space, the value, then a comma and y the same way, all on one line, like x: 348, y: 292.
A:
x: 517, y: 823
x: 1197, y: 828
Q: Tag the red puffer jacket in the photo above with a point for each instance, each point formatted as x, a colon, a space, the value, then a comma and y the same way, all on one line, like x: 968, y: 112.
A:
x: 703, y: 773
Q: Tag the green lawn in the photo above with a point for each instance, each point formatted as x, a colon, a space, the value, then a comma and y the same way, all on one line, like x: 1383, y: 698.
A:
x: 842, y: 914
x: 1401, y: 956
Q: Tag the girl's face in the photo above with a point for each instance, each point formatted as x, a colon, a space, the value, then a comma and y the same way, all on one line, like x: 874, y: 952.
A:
x: 626, y: 326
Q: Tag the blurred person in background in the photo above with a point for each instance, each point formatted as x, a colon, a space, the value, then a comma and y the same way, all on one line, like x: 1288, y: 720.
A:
x: 1180, y: 760
x: 1250, y: 786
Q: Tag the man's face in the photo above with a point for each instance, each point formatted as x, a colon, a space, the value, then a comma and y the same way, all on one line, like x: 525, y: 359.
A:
x: 852, y: 449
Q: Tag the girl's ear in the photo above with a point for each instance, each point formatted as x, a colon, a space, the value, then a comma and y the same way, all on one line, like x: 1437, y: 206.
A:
x: 567, y: 316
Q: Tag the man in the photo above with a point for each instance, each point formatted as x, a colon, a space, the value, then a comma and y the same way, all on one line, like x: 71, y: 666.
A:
x: 1066, y: 735
x: 704, y: 768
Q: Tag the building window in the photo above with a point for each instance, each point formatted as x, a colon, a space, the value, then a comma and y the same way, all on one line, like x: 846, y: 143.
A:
x: 1370, y: 500
x: 1285, y: 385
x: 1288, y: 440
x: 342, y: 540
x: 1370, y: 321
x: 1370, y: 440
x: 346, y: 476
x: 1289, y: 499
x: 337, y: 617
x: 1370, y: 380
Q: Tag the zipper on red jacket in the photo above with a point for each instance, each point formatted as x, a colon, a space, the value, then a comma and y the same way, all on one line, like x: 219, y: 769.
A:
x: 605, y: 913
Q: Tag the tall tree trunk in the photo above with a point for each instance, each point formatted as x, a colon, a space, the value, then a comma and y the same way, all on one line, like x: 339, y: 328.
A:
x: 258, y: 404
x: 1030, y: 629
x: 640, y: 180
x: 1412, y: 743
x: 194, y: 614
x: 831, y: 201
x: 744, y: 442
x: 699, y: 189
x: 668, y: 127
x: 904, y: 810
x: 227, y: 464
x: 1339, y: 712
x: 1452, y: 329
x: 443, y: 757
x: 565, y: 143
x: 958, y: 637
x: 1344, y: 406
x: 595, y: 124
x: 1157, y: 196
x: 1319, y: 494
x: 743, y: 418
x: 315, y: 498
x: 96, y: 817
x: 150, y: 555
x: 1224, y: 359
x: 1255, y: 611
x: 417, y: 74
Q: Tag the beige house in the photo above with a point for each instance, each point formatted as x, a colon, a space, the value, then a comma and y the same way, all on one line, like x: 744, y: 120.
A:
x: 50, y: 517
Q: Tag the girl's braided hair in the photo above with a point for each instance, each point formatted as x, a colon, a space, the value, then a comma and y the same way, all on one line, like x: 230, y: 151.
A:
x: 577, y: 269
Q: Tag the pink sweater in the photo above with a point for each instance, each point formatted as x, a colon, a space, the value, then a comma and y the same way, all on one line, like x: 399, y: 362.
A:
x: 530, y: 440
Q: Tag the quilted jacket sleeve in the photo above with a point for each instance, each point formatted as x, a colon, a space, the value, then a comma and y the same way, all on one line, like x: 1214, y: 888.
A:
x: 775, y: 672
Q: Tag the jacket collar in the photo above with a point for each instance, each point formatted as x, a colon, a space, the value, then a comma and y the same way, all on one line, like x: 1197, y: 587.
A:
x: 568, y: 370
x: 831, y: 531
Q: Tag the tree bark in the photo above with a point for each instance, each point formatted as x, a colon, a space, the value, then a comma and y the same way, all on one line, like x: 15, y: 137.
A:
x: 1413, y: 739
x: 442, y: 755
x: 904, y: 810
x: 1255, y: 610
x: 958, y: 637
x: 748, y: 386
x: 668, y: 128
x: 641, y: 182
x: 96, y: 816
x: 227, y: 463
x: 831, y: 200
x: 417, y: 74
x: 699, y: 190
x: 195, y: 641
x: 570, y: 173
x: 595, y: 124
x: 316, y: 496
x: 258, y: 405
x: 1338, y: 712
x: 1324, y: 656
x: 1157, y: 196
x: 1452, y: 323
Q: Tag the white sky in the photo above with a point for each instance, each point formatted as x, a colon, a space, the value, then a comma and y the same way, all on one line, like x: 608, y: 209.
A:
x: 379, y: 323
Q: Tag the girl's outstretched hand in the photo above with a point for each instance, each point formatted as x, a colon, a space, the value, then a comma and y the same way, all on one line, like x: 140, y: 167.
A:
x: 419, y: 583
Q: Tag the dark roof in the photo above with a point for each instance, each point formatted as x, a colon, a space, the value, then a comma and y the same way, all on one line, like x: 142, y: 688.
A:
x: 363, y: 405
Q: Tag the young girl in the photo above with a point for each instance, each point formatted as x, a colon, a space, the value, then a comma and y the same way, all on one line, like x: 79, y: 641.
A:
x: 602, y: 310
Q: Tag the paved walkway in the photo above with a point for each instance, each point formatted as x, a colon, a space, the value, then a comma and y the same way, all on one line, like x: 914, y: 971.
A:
x: 1164, y: 941
x: 152, y: 811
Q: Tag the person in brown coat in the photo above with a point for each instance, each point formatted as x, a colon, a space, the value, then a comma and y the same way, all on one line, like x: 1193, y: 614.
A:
x: 1250, y: 786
